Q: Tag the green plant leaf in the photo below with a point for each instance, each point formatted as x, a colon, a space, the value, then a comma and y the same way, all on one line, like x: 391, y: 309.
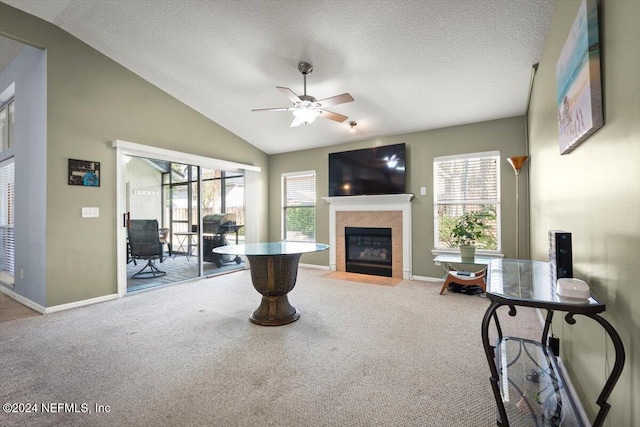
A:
x: 472, y: 228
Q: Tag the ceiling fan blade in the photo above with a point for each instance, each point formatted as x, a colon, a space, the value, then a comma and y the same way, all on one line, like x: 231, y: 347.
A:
x: 273, y: 109
x: 335, y: 100
x: 333, y: 116
x: 289, y: 94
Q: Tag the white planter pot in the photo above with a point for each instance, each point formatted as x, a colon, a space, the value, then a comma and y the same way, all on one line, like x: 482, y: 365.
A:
x: 467, y: 252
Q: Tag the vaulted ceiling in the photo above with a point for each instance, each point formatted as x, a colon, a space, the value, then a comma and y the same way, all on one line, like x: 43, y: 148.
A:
x: 410, y: 65
x: 8, y: 50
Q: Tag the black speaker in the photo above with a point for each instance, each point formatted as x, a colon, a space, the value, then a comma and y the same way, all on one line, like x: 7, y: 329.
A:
x: 560, y: 257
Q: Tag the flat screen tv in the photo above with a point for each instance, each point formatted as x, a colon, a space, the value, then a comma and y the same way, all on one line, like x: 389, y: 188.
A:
x: 369, y: 171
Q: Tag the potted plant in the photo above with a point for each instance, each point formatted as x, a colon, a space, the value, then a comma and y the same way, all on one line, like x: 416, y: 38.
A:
x: 469, y: 227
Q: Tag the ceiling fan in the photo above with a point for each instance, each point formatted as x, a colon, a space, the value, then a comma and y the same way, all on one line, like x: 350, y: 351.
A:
x: 305, y: 107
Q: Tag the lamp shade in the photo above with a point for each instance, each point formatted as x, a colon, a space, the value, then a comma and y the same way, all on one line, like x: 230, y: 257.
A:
x: 517, y: 162
x: 306, y: 115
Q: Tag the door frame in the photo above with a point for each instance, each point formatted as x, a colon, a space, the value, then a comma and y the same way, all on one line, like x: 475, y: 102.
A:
x: 126, y: 148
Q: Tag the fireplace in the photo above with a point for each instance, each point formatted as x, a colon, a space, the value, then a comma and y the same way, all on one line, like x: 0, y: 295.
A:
x: 368, y: 250
x: 383, y: 210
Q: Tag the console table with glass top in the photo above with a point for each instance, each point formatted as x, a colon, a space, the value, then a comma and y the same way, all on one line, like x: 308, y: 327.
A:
x: 528, y: 387
x: 457, y: 259
x: 445, y: 260
x: 274, y: 270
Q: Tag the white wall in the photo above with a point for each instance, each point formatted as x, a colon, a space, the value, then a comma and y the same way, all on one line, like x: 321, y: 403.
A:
x: 28, y: 72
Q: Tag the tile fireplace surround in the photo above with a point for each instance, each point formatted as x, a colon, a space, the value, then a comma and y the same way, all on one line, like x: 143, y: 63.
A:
x: 390, y: 210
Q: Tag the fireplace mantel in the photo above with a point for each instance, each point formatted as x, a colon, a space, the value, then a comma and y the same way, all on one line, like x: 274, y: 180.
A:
x: 369, y: 201
x: 375, y: 203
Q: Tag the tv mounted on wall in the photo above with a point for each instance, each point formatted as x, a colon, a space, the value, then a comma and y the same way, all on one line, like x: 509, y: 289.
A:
x: 368, y: 171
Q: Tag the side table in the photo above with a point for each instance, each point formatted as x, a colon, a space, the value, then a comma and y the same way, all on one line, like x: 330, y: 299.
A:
x: 274, y: 270
x: 517, y: 363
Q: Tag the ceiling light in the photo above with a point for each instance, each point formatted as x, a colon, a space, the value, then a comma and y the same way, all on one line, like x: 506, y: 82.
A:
x: 353, y: 127
x: 306, y: 116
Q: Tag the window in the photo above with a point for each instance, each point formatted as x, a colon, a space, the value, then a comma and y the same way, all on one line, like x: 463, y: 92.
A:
x: 7, y: 125
x: 299, y: 206
x: 466, y: 183
x: 7, y: 215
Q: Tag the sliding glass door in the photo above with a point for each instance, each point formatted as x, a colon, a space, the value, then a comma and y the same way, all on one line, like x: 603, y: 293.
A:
x: 166, y: 193
x: 196, y: 210
x: 223, y: 215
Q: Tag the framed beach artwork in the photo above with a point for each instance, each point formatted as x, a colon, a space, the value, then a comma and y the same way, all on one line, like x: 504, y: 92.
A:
x: 578, y: 83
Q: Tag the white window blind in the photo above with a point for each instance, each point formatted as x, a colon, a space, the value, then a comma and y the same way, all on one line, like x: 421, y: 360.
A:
x: 466, y: 183
x: 7, y: 215
x: 299, y: 206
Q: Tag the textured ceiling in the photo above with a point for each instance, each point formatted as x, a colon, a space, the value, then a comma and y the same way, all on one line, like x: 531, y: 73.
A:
x: 8, y: 50
x: 411, y: 65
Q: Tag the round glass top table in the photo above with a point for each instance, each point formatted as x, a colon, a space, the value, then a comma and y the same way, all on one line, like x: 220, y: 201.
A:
x: 274, y: 270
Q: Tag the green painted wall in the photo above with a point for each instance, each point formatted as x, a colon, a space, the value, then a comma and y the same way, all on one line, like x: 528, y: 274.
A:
x: 506, y: 136
x: 594, y: 192
x: 91, y: 101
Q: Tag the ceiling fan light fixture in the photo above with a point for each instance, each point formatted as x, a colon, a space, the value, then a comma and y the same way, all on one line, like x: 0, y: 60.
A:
x: 305, y: 107
x: 352, y: 126
x: 306, y: 116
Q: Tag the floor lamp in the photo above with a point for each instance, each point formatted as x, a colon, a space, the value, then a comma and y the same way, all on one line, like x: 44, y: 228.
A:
x: 517, y: 162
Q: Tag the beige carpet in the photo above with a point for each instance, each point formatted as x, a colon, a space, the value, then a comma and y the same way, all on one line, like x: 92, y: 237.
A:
x: 363, y: 278
x: 187, y: 355
x: 11, y: 309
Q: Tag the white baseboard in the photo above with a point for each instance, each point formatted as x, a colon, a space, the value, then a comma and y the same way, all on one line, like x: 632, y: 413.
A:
x: 77, y: 304
x: 316, y: 266
x: 427, y: 279
x: 567, y: 381
x: 22, y: 300
x: 56, y: 308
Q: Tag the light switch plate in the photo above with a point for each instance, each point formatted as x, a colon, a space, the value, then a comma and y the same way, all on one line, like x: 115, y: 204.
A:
x: 423, y: 191
x: 90, y: 212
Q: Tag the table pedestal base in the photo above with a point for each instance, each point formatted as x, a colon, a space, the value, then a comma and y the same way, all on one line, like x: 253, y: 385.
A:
x: 274, y: 311
x: 274, y: 276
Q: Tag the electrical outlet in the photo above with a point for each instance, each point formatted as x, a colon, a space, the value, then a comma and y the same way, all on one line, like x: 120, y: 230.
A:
x: 90, y: 212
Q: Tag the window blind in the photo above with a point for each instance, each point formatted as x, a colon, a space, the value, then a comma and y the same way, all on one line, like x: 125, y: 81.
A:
x: 7, y: 215
x: 299, y: 202
x: 300, y: 190
x: 467, y: 180
x: 466, y: 183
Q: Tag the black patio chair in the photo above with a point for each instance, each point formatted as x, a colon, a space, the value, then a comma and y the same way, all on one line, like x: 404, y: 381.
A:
x: 144, y: 241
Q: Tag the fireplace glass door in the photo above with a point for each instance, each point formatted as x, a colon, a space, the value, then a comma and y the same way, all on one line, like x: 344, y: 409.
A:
x: 368, y: 250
